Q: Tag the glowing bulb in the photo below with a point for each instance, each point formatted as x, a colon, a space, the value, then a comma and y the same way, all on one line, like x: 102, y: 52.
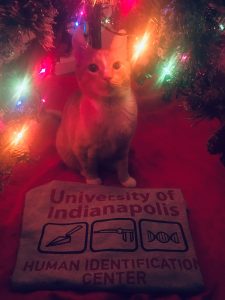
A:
x: 184, y: 58
x: 19, y: 136
x: 107, y: 2
x: 168, y: 69
x: 141, y: 46
x: 222, y: 27
x: 127, y: 6
x: 43, y: 70
x: 107, y: 20
x: 19, y: 103
x: 76, y: 23
x: 22, y: 88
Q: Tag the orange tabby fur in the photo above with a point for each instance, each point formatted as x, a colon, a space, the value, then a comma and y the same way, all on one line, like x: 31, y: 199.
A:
x: 98, y: 123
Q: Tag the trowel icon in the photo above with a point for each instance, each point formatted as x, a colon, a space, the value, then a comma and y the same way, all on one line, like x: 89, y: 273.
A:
x: 64, y: 239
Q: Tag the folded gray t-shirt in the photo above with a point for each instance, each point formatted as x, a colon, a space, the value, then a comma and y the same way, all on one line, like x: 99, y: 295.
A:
x: 89, y: 237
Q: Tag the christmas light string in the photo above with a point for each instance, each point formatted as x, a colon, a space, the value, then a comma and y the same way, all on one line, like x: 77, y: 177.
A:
x: 181, y: 51
x: 19, y: 119
x: 167, y: 50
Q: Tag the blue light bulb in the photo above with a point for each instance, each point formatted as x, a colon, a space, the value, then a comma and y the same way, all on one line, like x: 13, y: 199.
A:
x: 19, y: 102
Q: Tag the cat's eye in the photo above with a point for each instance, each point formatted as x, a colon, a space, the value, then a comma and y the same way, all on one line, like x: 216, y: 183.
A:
x: 116, y: 65
x: 93, y: 68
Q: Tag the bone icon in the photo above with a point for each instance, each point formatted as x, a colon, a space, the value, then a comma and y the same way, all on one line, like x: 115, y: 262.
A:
x: 163, y: 237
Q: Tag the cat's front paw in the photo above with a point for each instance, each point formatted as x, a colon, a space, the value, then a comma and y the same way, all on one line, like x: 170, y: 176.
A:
x: 96, y: 180
x: 130, y: 182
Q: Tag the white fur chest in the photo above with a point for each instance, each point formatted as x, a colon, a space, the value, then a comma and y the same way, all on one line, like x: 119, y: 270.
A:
x: 107, y: 127
x: 109, y: 119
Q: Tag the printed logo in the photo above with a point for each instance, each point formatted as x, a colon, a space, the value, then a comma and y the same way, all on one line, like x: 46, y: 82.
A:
x: 162, y: 236
x: 114, y: 235
x: 63, y: 238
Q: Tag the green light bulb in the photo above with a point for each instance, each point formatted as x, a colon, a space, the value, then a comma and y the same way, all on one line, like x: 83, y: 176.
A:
x: 22, y: 88
x: 167, y: 70
x: 222, y: 27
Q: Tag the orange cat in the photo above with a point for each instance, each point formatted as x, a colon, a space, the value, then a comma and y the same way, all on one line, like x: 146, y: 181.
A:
x: 98, y: 122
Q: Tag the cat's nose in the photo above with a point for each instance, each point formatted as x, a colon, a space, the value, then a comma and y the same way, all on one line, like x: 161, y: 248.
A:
x: 107, y: 76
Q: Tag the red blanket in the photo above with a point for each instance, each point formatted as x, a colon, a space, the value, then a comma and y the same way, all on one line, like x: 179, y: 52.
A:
x: 168, y: 150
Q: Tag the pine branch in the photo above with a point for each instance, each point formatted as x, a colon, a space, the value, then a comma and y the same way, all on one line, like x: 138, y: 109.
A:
x: 21, y: 22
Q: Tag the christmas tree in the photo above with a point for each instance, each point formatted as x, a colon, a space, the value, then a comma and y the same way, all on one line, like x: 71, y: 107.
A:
x: 176, y: 46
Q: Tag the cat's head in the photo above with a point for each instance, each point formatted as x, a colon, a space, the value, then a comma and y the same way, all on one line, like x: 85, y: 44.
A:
x: 102, y: 72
